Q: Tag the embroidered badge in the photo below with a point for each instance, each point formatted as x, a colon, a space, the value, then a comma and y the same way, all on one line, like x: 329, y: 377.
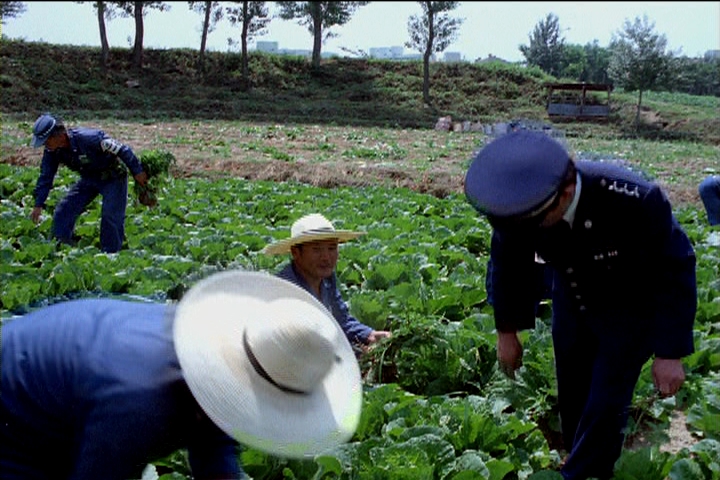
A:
x: 110, y: 145
x: 634, y: 192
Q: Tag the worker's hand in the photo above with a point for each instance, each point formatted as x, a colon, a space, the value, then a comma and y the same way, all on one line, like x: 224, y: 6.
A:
x: 668, y: 375
x: 35, y: 214
x: 376, y: 335
x: 509, y: 353
x: 141, y: 178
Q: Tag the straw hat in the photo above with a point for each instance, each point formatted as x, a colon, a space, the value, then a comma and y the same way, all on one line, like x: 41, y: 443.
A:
x: 310, y: 228
x: 268, y: 363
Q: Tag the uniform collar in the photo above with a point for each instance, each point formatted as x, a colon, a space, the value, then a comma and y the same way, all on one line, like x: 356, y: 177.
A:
x: 569, y: 215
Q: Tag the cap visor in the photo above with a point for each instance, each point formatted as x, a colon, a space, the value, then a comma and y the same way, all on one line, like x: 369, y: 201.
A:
x: 37, y: 142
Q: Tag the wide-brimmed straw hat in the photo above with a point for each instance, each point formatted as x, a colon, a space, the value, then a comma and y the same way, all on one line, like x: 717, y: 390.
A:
x: 268, y: 363
x: 310, y: 228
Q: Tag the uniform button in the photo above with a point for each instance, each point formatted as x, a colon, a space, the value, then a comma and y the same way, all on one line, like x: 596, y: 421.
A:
x: 582, y: 308
x: 569, y: 270
x: 588, y: 224
x: 578, y: 297
x: 573, y: 284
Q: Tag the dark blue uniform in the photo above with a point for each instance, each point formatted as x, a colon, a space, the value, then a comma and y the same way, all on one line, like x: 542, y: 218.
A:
x: 95, y: 156
x: 92, y: 389
x: 355, y: 331
x: 709, y: 190
x: 624, y: 289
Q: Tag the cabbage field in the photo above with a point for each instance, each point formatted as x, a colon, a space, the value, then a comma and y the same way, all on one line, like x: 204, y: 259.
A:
x: 435, y: 403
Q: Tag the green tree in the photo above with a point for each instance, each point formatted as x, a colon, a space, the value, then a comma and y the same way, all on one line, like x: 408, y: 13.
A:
x: 319, y: 18
x: 137, y: 10
x: 574, y: 63
x: 212, y: 13
x: 547, y: 48
x: 696, y: 76
x: 431, y: 33
x: 104, y: 11
x: 253, y: 18
x: 598, y: 59
x: 639, y: 61
x: 11, y: 10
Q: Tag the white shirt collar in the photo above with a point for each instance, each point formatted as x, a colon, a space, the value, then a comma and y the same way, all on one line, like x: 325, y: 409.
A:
x: 569, y: 215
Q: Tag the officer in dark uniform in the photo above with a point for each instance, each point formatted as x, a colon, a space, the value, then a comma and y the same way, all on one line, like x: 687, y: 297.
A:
x: 624, y: 287
x: 96, y: 157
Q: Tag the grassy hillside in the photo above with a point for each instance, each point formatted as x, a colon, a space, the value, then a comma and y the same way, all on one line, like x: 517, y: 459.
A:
x: 39, y: 77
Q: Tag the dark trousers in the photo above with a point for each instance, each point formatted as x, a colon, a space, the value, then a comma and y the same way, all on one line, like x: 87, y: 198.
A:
x: 114, y: 203
x: 20, y: 452
x: 598, y: 361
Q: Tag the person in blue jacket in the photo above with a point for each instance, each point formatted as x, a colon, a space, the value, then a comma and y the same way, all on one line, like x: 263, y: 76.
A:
x: 98, y: 388
x: 314, y: 248
x: 709, y: 190
x: 102, y: 163
x: 624, y: 282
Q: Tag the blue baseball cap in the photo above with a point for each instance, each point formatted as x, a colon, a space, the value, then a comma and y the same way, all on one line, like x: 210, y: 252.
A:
x: 517, y: 175
x: 44, y: 126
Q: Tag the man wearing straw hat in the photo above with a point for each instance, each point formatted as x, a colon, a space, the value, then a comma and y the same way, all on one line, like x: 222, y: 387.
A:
x: 313, y: 246
x: 99, y: 388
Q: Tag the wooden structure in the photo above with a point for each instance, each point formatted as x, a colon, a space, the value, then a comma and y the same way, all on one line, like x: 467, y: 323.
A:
x: 579, y: 100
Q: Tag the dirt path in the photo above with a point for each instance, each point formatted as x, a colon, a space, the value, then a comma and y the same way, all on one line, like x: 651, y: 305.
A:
x: 675, y: 438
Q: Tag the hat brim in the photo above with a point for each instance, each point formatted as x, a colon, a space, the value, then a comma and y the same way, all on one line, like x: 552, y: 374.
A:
x: 37, y: 141
x: 283, y: 246
x: 208, y: 333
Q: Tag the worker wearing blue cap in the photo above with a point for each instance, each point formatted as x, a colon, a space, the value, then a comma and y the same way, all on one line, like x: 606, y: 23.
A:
x: 624, y: 286
x: 97, y: 158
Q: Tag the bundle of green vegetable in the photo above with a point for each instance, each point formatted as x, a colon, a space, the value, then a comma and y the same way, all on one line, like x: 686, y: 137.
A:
x: 156, y: 163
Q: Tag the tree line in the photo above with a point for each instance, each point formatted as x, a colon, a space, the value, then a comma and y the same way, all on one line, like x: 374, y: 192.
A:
x: 635, y: 43
x: 637, y: 58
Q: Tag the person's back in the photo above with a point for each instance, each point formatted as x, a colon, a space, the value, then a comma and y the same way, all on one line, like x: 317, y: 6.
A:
x: 94, y: 388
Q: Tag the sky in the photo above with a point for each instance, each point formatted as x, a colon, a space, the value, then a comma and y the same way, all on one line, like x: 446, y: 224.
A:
x: 489, y: 28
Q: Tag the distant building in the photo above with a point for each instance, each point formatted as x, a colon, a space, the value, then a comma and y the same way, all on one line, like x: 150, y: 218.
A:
x: 274, y: 48
x: 395, y: 53
x: 712, y: 54
x: 387, y: 52
x: 452, y: 57
x: 299, y: 52
x: 268, y: 47
x: 415, y: 56
x: 380, y: 52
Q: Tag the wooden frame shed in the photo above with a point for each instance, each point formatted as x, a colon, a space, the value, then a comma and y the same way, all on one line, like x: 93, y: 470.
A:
x: 578, y: 100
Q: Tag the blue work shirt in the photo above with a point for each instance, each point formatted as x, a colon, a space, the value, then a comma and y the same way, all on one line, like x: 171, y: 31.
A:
x: 92, y: 389
x: 92, y: 153
x: 355, y: 331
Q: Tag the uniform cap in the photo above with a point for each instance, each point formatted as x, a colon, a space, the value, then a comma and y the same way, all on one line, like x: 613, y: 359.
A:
x: 516, y: 175
x: 42, y: 129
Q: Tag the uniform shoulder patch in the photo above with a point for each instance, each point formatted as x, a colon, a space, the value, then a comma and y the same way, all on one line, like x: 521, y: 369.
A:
x: 624, y: 187
x: 110, y: 145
